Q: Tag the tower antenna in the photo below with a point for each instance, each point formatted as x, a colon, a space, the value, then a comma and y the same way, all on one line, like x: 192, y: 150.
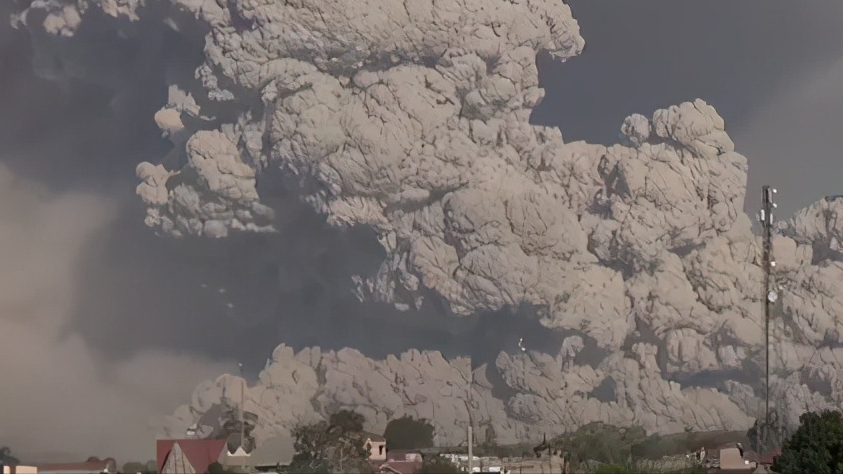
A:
x: 770, y: 297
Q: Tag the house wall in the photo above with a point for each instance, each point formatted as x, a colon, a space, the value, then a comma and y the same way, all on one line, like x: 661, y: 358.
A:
x: 378, y: 451
x: 730, y: 458
x: 20, y: 470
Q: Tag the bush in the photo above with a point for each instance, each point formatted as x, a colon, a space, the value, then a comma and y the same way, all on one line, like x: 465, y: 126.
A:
x: 614, y: 468
x: 438, y: 465
x: 505, y: 451
x: 600, y: 442
x: 217, y: 468
x: 815, y: 447
x: 135, y: 467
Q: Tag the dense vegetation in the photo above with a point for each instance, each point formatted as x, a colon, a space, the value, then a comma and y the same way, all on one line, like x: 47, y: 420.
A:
x: 148, y: 467
x: 336, y: 445
x: 815, y: 447
x: 438, y: 465
x: 600, y: 442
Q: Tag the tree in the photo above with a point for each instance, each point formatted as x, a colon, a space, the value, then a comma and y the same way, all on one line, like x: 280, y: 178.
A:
x: 135, y: 467
x: 327, y: 446
x: 6, y: 458
x: 346, y: 421
x: 438, y: 465
x: 600, y: 442
x: 815, y: 447
x: 408, y: 433
x: 491, y: 438
x: 218, y: 468
x: 774, y: 432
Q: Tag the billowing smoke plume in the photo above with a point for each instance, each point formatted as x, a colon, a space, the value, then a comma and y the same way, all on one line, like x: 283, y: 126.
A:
x: 411, y: 119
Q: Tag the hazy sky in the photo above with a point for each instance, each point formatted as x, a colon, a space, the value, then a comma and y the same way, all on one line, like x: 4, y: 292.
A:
x: 771, y: 68
x: 96, y: 300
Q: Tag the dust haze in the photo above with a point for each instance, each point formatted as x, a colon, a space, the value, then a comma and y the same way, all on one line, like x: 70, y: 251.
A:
x: 65, y: 397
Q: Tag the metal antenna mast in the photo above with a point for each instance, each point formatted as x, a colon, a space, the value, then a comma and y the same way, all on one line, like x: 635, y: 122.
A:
x: 770, y: 296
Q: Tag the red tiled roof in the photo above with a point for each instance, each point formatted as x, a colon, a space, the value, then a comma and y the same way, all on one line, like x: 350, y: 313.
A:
x: 201, y: 453
x: 92, y: 464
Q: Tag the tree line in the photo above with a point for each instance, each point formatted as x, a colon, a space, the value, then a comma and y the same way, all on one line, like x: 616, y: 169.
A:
x: 338, y: 444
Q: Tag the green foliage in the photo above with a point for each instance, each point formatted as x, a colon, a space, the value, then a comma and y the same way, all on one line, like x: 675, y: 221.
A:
x: 753, y: 434
x: 217, y: 468
x: 815, y: 447
x: 776, y: 434
x: 305, y: 466
x: 614, y: 468
x: 408, y: 433
x: 346, y: 421
x: 600, y: 442
x: 696, y: 469
x: 6, y: 458
x: 135, y: 467
x: 657, y: 447
x: 327, y: 446
x: 505, y: 451
x: 438, y: 465
x: 491, y: 438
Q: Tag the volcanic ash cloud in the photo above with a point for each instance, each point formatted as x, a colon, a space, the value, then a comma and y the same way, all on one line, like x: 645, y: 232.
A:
x: 412, y: 118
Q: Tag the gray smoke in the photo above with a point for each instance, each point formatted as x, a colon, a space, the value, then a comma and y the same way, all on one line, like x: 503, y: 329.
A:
x: 407, y: 126
x: 64, y: 396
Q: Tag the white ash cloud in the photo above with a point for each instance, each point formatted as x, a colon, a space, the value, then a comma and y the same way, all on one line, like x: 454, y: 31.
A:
x: 413, y: 120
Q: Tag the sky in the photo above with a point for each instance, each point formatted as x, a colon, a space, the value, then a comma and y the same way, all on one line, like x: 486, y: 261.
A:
x: 770, y: 69
x: 102, y: 320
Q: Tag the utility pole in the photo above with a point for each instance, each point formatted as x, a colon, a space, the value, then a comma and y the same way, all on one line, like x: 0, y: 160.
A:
x: 470, y: 423
x: 242, y: 412
x: 770, y: 297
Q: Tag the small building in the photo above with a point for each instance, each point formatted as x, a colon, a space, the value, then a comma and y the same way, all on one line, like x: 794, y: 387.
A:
x: 399, y: 461
x: 92, y: 465
x: 272, y: 453
x: 188, y: 456
x: 376, y: 445
x: 730, y: 457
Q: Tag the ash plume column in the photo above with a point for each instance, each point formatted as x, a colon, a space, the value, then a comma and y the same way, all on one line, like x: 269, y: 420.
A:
x: 770, y: 297
x: 416, y: 129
